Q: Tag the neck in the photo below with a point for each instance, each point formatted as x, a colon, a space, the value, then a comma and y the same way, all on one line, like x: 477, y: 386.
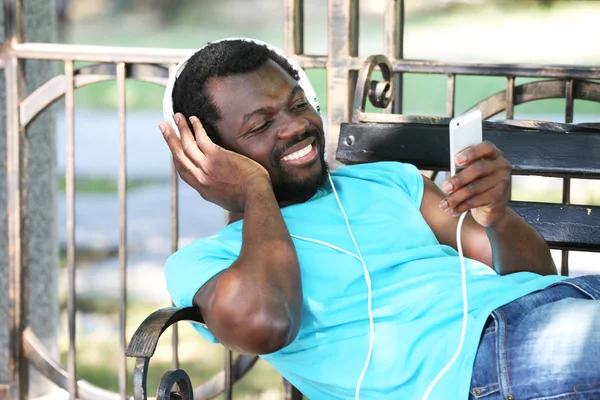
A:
x: 234, y: 217
x: 296, y: 201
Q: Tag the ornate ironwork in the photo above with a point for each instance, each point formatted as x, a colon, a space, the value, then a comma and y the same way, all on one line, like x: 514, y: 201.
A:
x: 380, y: 93
x: 171, y: 378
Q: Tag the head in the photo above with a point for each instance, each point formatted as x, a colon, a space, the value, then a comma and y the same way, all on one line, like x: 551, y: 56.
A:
x: 249, y: 100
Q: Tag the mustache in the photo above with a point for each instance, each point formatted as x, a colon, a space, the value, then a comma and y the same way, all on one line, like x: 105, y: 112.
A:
x: 310, y: 132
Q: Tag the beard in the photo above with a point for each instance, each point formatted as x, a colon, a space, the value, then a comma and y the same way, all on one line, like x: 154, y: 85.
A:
x: 291, y: 190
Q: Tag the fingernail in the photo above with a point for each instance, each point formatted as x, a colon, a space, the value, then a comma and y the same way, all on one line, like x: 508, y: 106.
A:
x: 444, y: 204
x: 461, y: 158
x: 176, y: 118
x: 162, y: 127
x: 448, y: 186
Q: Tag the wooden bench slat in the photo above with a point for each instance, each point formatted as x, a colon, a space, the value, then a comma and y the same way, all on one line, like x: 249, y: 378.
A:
x: 569, y: 227
x: 574, y: 154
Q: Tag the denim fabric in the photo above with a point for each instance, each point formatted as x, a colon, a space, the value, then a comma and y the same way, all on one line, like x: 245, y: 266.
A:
x: 542, y: 346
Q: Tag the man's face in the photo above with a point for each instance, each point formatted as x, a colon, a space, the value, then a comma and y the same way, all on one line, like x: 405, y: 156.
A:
x: 266, y: 117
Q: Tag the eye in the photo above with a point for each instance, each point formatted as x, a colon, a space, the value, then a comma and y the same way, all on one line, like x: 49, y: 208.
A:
x: 300, y: 106
x: 265, y: 125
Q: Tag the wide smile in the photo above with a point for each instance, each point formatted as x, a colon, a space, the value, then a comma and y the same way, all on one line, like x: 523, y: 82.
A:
x: 302, y: 156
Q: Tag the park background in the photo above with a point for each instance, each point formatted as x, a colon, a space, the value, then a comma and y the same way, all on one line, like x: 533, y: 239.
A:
x: 509, y: 31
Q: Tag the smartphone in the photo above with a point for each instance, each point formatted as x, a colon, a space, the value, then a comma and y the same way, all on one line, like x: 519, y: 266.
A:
x: 465, y: 131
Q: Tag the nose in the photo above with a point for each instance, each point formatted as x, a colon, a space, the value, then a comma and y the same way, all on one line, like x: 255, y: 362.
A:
x: 292, y: 125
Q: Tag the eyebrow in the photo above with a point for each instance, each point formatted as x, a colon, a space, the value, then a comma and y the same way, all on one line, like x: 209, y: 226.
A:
x: 263, y: 110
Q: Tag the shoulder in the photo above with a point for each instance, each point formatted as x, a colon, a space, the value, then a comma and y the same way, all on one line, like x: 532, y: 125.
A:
x: 381, y: 170
x: 228, y: 240
x: 397, y: 175
x: 188, y: 269
x: 202, y: 254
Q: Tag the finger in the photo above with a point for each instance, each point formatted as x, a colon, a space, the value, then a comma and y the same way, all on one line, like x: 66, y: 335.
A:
x: 183, y: 164
x: 203, y: 142
x: 482, y: 150
x: 191, y: 180
x: 473, y: 190
x: 476, y: 170
x: 187, y: 140
x: 491, y: 198
x: 180, y: 159
x: 187, y: 170
x: 173, y: 141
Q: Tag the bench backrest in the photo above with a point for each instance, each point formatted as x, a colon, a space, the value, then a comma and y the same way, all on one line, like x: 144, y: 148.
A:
x: 545, y: 149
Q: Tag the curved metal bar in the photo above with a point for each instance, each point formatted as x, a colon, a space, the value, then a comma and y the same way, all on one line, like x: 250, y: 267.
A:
x: 55, y: 88
x: 209, y: 390
x: 381, y: 94
x: 175, y: 377
x: 140, y: 378
x: 143, y: 345
x: 228, y: 383
x: 144, y: 340
x: 550, y: 89
x: 37, y: 356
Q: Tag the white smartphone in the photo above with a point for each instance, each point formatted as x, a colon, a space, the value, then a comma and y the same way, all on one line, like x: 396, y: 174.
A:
x: 465, y: 131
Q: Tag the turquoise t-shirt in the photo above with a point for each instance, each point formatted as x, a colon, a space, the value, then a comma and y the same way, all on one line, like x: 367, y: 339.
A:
x: 416, y: 289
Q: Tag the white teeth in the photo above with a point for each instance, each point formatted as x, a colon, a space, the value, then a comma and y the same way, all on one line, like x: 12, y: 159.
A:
x: 300, y: 153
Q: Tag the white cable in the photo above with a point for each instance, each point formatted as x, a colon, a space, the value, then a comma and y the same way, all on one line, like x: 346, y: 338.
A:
x: 465, y: 309
x: 369, y: 296
x: 326, y: 245
x: 367, y: 280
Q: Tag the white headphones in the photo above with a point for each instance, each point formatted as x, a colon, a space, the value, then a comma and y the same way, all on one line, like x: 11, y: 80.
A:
x: 168, y: 96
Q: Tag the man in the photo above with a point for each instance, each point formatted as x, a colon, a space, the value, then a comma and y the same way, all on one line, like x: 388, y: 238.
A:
x: 349, y: 283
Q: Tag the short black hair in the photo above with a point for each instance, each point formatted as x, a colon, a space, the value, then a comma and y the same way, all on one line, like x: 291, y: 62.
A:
x: 224, y: 58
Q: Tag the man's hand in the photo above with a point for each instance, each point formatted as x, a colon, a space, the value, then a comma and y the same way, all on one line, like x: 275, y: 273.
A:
x: 483, y: 186
x: 220, y: 176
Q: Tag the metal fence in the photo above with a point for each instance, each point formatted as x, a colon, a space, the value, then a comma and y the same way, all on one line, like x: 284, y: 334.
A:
x: 154, y: 65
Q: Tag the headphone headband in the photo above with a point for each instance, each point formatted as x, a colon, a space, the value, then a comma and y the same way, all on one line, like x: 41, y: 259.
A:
x: 168, y: 96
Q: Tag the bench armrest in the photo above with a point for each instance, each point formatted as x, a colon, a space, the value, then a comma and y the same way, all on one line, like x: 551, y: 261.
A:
x: 144, y: 340
x: 143, y: 345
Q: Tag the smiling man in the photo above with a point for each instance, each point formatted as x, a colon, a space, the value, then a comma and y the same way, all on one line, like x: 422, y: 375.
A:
x: 349, y: 283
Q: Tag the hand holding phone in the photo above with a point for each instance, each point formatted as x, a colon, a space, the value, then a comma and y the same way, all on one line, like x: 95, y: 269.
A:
x: 482, y: 181
x: 465, y: 131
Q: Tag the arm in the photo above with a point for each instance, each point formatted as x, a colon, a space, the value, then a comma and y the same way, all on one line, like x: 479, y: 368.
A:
x: 255, y: 305
x: 492, y: 233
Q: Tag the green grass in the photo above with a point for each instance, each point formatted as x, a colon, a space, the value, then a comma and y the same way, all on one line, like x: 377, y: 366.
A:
x: 106, y: 185
x: 95, y: 305
x: 86, y: 257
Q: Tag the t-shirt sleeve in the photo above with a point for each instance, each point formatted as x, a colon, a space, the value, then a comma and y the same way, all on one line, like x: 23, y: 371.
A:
x: 187, y: 270
x: 409, y: 178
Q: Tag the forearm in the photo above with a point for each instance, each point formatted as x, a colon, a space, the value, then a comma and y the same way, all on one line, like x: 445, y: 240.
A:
x: 261, y: 292
x: 517, y: 246
x: 268, y: 256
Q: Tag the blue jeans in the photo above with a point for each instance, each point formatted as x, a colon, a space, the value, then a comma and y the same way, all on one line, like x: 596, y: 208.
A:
x: 543, y: 346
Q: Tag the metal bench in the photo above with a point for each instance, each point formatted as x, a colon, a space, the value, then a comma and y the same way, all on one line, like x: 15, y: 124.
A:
x: 534, y: 148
